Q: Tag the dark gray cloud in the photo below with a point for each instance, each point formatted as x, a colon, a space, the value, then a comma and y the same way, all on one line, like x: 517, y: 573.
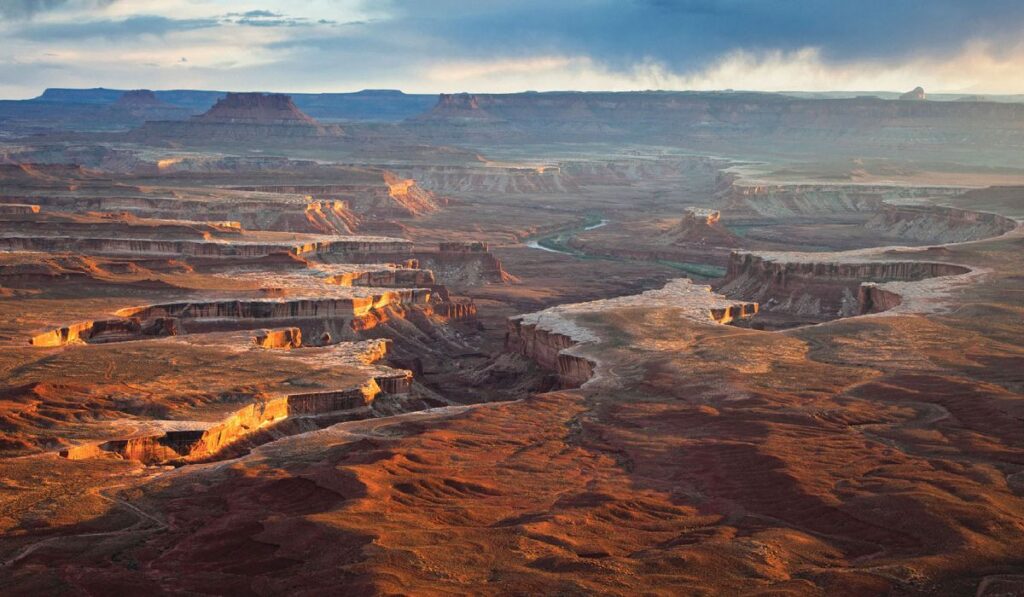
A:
x: 269, y: 18
x: 436, y: 43
x: 255, y: 14
x: 131, y: 27
x: 685, y: 34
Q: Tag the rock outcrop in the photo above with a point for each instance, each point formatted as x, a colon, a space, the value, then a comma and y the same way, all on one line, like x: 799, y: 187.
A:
x: 935, y: 224
x: 702, y: 227
x: 256, y: 423
x: 290, y: 308
x: 284, y: 338
x: 107, y: 330
x: 241, y: 116
x: 915, y: 94
x: 463, y: 263
x: 821, y: 286
x: 832, y: 200
x: 354, y: 246
x: 552, y: 337
x: 256, y: 108
x: 268, y: 417
x: 459, y: 105
x: 138, y: 98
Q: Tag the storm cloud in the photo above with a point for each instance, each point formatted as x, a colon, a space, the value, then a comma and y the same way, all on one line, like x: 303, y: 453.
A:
x: 509, y: 45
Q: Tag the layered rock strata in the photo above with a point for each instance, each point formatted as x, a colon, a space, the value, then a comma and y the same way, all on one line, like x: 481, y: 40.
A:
x: 463, y: 263
x: 823, y: 285
x: 285, y: 338
x: 552, y: 337
x: 194, y: 248
x: 263, y: 419
x: 938, y: 224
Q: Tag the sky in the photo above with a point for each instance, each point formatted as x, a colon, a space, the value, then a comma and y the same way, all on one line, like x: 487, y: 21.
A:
x: 431, y: 46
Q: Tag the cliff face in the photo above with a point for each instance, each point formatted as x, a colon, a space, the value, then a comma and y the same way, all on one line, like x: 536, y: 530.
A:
x: 145, y: 246
x: 938, y: 224
x: 282, y: 309
x: 549, y: 337
x: 106, y: 330
x: 251, y: 425
x: 285, y: 338
x: 267, y: 417
x: 872, y: 298
x: 382, y: 194
x: 546, y: 348
x: 463, y: 264
x: 822, y: 289
x: 491, y: 179
x: 787, y: 201
x: 417, y: 278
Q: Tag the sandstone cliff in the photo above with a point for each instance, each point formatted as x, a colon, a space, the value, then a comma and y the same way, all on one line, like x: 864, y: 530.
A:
x: 822, y: 286
x: 553, y: 338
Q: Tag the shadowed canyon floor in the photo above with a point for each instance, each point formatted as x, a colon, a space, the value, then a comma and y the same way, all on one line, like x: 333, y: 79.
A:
x: 418, y: 358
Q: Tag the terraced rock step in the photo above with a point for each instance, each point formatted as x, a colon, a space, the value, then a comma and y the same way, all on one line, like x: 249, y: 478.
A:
x: 285, y: 338
x: 169, y: 319
x: 348, y: 307
x: 938, y: 224
x: 825, y: 285
x: 197, y: 248
x: 274, y: 212
x: 261, y: 421
x: 550, y: 337
x: 254, y: 424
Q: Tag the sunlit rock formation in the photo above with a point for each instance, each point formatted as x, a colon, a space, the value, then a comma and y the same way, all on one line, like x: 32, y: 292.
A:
x: 702, y: 226
x: 267, y: 418
x: 279, y: 338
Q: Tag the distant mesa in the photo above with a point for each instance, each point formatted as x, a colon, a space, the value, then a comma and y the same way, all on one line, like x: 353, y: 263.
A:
x: 139, y: 98
x: 459, y: 105
x: 238, y: 116
x: 256, y: 108
x: 916, y: 93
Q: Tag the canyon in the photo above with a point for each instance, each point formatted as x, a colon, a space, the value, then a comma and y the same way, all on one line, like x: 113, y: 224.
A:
x: 534, y: 343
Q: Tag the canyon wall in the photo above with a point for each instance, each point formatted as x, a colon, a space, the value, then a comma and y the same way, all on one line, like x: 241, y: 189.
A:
x: 463, y: 264
x: 549, y: 337
x: 546, y: 348
x: 801, y: 285
x: 745, y: 200
x: 285, y: 338
x: 146, y: 246
x: 936, y: 224
x: 321, y: 308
